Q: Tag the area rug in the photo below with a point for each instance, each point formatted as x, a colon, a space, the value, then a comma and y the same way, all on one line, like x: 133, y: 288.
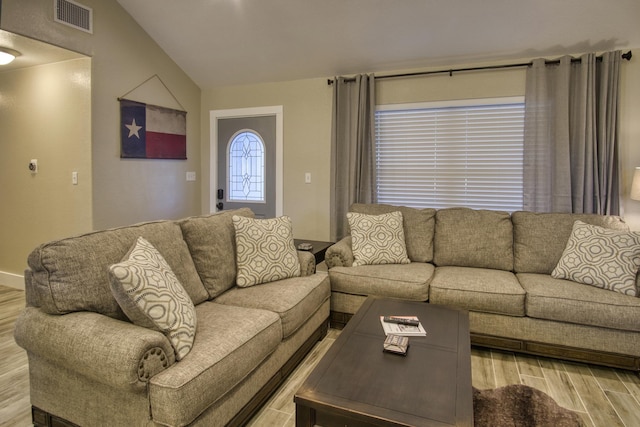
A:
x: 520, y: 406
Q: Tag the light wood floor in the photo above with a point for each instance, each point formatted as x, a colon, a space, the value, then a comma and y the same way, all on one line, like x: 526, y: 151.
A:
x: 15, y: 409
x: 603, y: 397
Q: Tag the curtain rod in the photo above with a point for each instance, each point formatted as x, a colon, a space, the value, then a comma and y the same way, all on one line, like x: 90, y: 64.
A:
x: 450, y: 71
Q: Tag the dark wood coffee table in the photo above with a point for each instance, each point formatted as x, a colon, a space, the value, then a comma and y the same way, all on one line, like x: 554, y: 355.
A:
x: 357, y: 384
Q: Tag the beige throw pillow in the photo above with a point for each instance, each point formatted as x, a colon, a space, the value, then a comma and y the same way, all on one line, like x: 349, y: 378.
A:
x: 265, y: 251
x: 377, y: 239
x: 210, y: 239
x: 151, y: 296
x: 601, y: 257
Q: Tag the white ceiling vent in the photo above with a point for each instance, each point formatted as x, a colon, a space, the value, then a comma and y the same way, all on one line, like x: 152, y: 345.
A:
x: 74, y: 14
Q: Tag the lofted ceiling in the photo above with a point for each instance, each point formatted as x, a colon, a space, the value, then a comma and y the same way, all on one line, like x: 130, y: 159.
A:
x: 228, y: 42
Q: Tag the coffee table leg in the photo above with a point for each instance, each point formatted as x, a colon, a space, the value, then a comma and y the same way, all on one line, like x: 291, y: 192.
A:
x: 305, y: 416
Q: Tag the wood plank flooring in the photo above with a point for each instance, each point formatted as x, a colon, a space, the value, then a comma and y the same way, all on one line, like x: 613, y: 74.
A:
x: 603, y: 397
x: 15, y: 409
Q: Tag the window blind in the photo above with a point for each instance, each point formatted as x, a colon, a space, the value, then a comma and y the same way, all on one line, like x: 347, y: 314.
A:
x: 468, y: 155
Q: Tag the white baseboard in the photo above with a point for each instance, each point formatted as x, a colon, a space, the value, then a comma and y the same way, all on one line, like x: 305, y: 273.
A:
x: 12, y: 280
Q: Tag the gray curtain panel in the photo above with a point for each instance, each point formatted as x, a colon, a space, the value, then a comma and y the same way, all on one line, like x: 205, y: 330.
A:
x: 571, y: 135
x: 352, y: 148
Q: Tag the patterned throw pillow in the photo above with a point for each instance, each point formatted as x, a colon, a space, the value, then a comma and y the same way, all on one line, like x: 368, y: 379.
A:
x: 151, y: 296
x: 377, y: 239
x: 601, y: 257
x: 264, y: 250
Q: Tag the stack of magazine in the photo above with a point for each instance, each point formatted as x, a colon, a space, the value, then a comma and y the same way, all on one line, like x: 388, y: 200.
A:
x: 398, y: 329
x: 391, y: 326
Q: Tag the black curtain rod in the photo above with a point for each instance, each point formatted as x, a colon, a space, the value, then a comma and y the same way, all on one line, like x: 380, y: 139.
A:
x: 626, y: 56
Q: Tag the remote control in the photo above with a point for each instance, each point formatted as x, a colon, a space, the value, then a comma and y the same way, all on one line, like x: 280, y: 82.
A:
x: 401, y: 320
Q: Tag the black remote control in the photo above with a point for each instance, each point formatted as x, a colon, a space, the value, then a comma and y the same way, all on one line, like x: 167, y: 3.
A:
x: 401, y: 320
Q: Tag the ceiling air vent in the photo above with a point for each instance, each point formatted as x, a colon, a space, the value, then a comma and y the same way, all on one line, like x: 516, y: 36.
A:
x: 74, y: 14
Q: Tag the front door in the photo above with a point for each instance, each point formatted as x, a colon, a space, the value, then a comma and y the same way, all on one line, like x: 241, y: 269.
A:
x: 246, y: 172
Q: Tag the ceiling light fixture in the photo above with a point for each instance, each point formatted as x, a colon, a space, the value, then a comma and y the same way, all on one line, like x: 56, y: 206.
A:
x: 7, y: 55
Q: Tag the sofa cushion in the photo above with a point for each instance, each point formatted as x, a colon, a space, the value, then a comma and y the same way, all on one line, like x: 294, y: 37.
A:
x: 406, y: 281
x: 265, y: 251
x: 418, y: 227
x: 473, y: 238
x: 211, y: 241
x: 478, y: 289
x: 230, y: 343
x: 377, y: 239
x: 596, y: 256
x: 294, y: 299
x: 72, y: 274
x: 540, y: 238
x: 567, y: 301
x: 151, y: 296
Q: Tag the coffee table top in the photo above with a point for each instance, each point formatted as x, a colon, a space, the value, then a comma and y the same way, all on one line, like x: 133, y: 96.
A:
x: 431, y: 386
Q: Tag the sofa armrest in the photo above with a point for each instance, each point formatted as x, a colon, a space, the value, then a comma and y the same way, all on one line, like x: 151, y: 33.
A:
x: 307, y: 263
x: 101, y: 348
x: 339, y: 254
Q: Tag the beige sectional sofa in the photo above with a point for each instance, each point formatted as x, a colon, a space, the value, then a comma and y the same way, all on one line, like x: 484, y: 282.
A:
x: 498, y: 266
x: 89, y: 365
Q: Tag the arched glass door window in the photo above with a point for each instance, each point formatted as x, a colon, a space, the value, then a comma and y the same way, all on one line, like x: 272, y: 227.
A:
x: 246, y: 175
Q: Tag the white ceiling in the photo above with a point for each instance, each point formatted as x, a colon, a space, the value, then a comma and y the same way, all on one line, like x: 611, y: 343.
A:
x: 226, y: 42
x: 33, y: 52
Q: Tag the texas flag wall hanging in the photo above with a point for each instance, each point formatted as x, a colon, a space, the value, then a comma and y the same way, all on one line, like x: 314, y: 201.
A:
x: 151, y: 132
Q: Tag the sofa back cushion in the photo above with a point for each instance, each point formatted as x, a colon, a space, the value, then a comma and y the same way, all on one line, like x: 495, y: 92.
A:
x: 418, y: 227
x: 211, y: 241
x: 540, y: 238
x: 72, y: 274
x: 473, y: 238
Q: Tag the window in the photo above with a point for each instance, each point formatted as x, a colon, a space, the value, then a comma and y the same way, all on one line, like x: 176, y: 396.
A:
x: 465, y: 153
x: 245, y: 176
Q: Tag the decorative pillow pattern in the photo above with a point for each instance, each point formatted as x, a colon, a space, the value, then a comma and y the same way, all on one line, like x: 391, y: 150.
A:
x: 151, y: 296
x: 377, y: 239
x: 418, y: 224
x: 264, y: 250
x: 597, y: 256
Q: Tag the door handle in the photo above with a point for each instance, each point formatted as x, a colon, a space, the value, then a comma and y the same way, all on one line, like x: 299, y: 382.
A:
x: 219, y: 205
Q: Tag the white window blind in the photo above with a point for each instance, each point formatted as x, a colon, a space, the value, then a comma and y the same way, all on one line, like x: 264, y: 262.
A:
x: 460, y: 154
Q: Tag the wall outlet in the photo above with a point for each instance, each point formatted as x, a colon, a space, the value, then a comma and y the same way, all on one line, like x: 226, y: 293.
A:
x: 191, y: 176
x: 307, y: 178
x: 74, y: 178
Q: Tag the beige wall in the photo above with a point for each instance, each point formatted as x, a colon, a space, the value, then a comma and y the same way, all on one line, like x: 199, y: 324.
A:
x: 128, y: 191
x: 39, y: 107
x: 630, y: 136
x: 442, y: 87
x: 307, y: 108
x: 123, y: 57
x: 122, y: 191
x: 307, y: 135
x: 307, y: 124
